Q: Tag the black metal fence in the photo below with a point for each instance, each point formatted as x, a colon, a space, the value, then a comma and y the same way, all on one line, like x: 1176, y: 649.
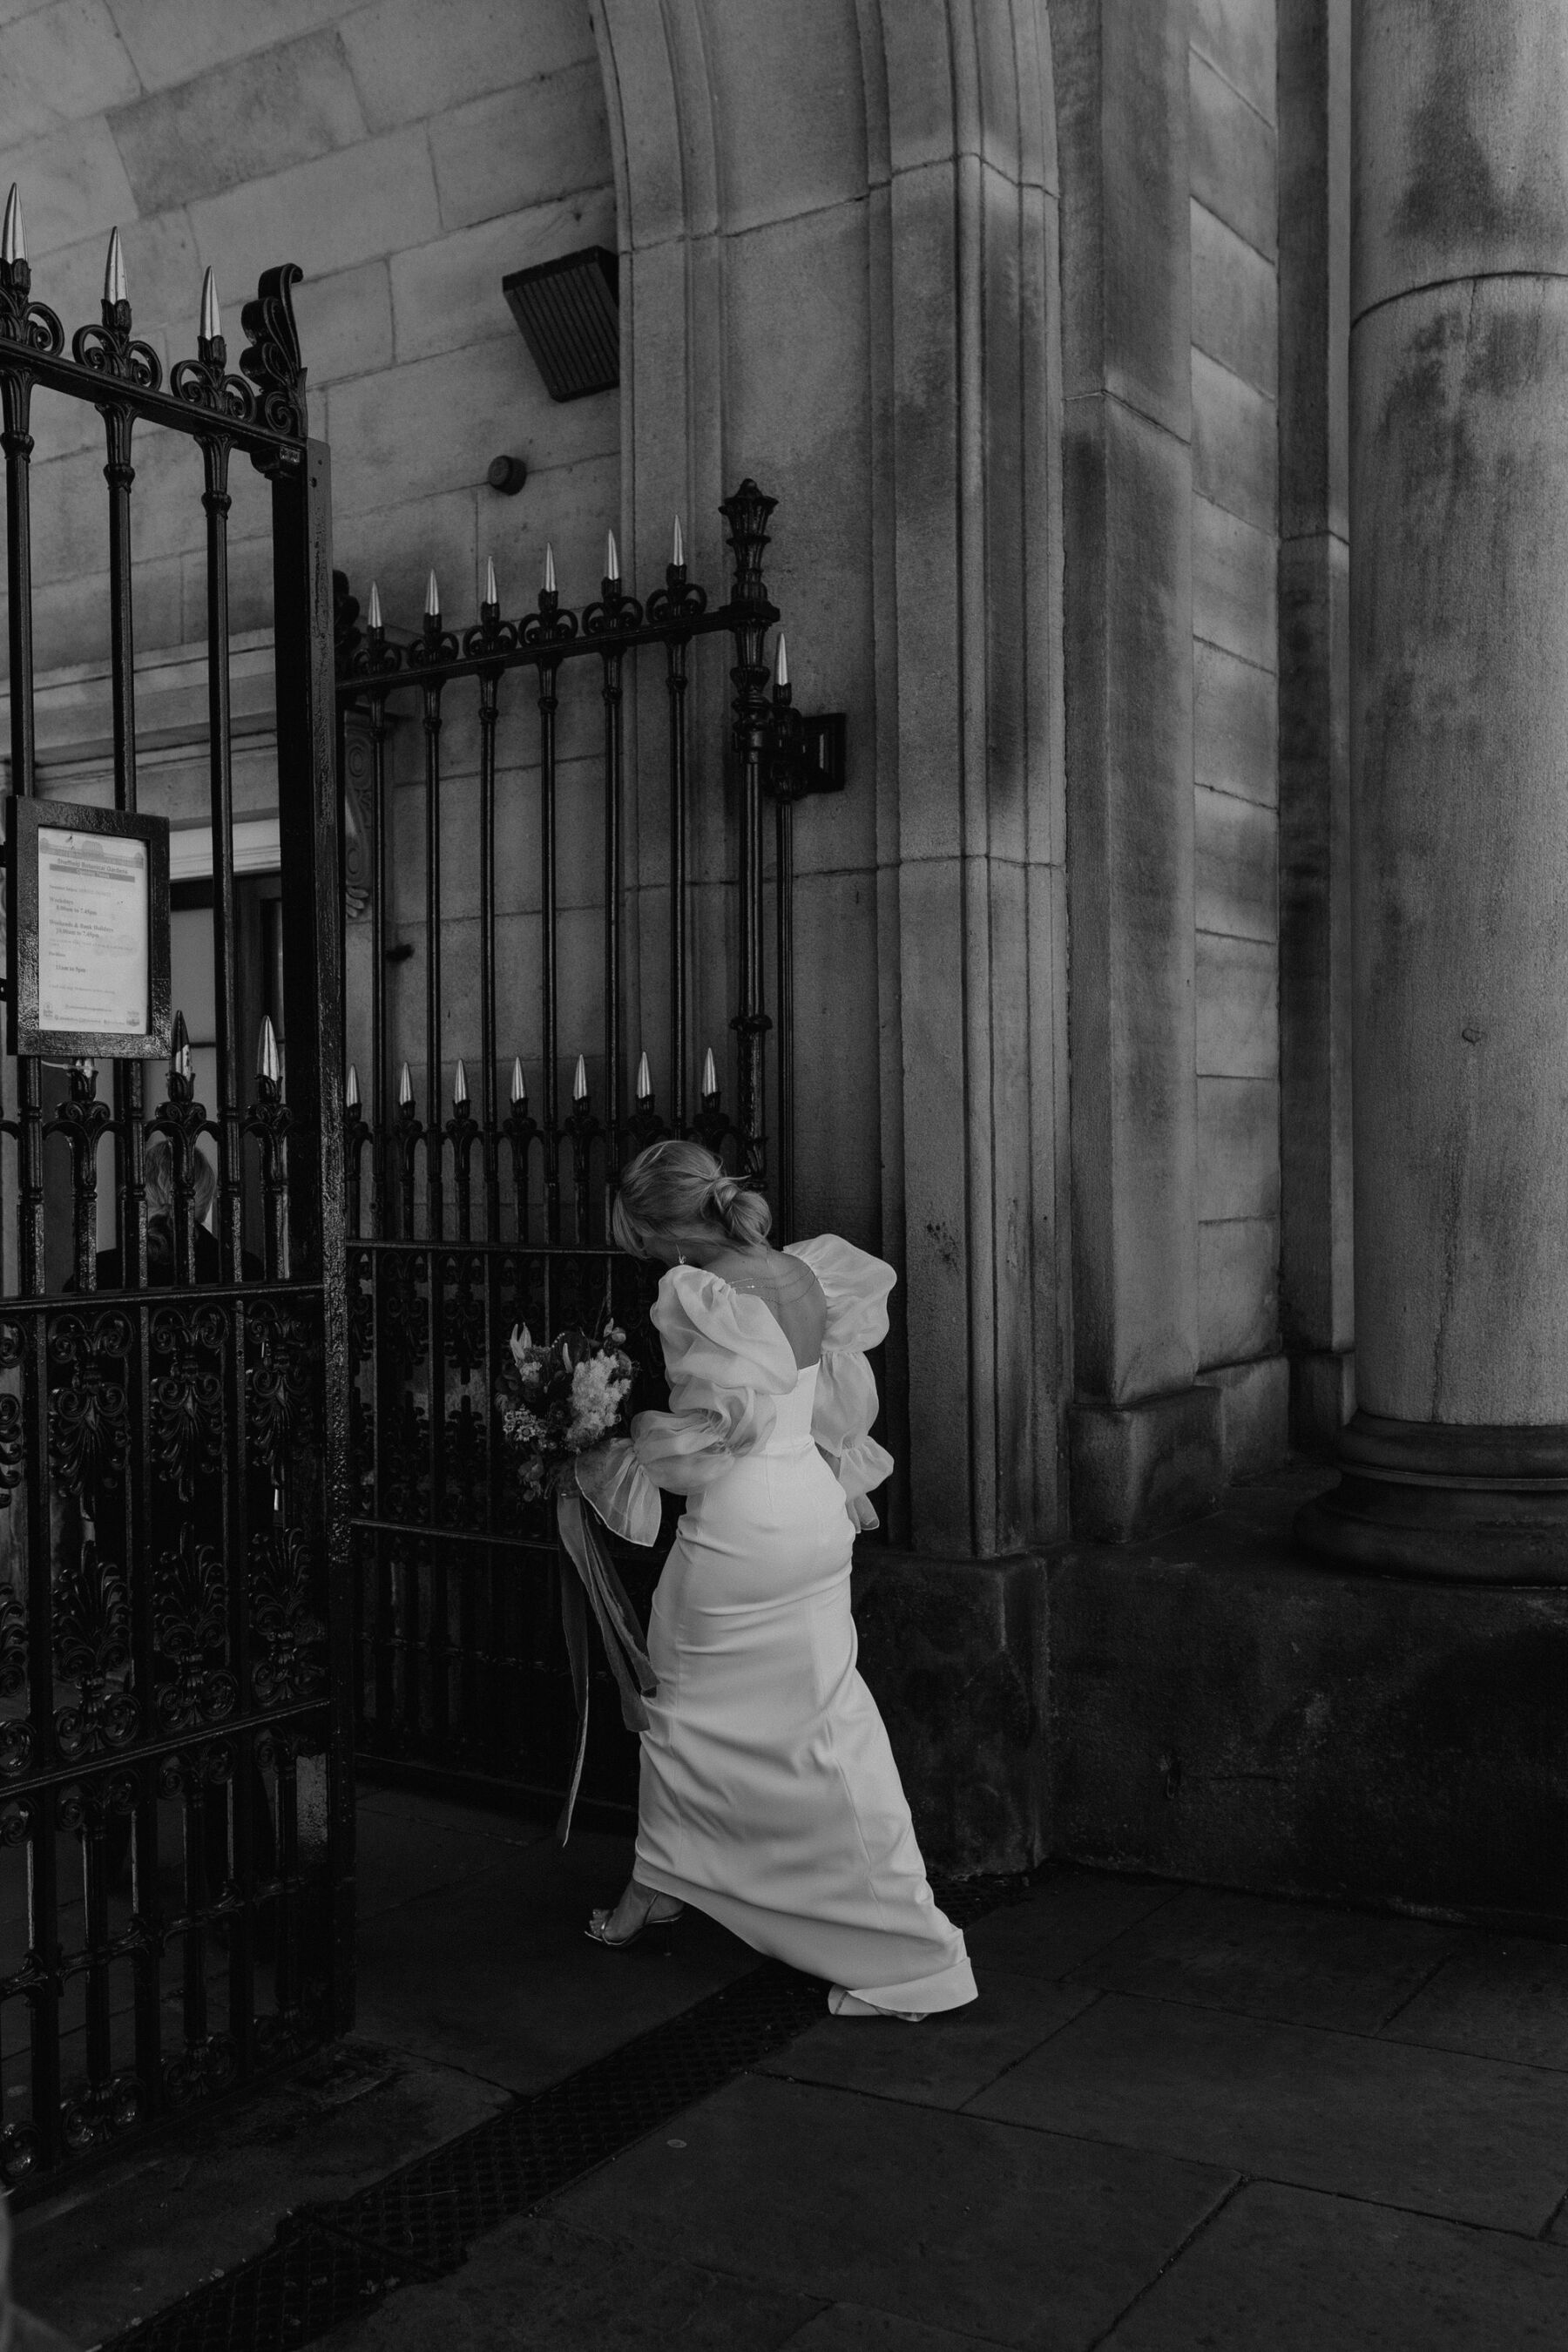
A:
x: 175, y: 1887
x: 468, y: 1214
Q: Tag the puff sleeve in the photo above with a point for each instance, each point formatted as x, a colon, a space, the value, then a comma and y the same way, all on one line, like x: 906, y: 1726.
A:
x: 726, y: 1359
x: 855, y: 1287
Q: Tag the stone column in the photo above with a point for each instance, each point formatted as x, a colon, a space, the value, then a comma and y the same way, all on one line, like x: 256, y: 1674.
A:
x: 1316, y: 1301
x: 1145, y: 1435
x: 1456, y: 1462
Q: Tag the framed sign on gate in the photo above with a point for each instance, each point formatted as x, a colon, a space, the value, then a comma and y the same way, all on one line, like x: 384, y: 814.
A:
x: 87, y: 904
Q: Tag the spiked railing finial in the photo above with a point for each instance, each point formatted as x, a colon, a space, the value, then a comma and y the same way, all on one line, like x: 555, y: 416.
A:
x: 211, y: 328
x: 709, y: 1075
x: 519, y: 1091
x: 350, y: 1089
x: 13, y: 243
x: 459, y: 1088
x: 114, y: 272
x: 269, y: 1061
x: 580, y: 1081
x: 404, y: 1089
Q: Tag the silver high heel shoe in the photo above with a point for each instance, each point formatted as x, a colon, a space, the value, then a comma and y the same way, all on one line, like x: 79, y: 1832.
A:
x: 660, y: 1925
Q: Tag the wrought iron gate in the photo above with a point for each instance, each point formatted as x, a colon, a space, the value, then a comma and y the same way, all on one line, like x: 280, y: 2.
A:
x: 175, y: 1824
x: 466, y: 1218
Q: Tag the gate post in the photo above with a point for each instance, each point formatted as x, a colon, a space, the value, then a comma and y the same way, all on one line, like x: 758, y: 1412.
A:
x: 309, y: 832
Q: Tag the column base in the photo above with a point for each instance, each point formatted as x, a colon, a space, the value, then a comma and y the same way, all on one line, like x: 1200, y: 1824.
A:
x: 1140, y: 1468
x: 1431, y: 1499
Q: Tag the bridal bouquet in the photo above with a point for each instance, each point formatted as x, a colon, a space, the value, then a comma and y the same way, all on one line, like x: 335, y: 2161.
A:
x: 559, y: 1400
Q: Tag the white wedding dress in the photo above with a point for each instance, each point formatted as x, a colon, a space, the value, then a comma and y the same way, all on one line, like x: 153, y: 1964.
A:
x: 770, y: 1798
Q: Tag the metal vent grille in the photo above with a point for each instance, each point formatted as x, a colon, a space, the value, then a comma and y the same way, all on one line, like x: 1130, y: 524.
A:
x: 330, y: 2262
x: 569, y: 311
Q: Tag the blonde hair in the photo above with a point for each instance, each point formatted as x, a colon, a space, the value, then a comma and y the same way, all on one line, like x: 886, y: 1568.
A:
x: 158, y: 1175
x: 678, y: 1187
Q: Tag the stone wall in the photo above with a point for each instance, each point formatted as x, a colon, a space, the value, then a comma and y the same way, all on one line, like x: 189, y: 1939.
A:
x: 1235, y: 716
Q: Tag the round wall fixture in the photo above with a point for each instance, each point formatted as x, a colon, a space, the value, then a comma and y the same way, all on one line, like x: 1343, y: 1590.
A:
x: 507, y: 475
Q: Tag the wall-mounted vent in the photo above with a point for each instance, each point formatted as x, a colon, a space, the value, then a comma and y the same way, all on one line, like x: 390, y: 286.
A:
x: 569, y: 313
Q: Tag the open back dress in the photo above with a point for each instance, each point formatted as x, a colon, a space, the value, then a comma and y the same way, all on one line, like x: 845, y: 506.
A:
x: 769, y: 1794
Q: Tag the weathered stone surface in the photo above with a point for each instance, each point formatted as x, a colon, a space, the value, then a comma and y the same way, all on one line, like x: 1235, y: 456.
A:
x: 237, y: 122
x: 964, y: 2049
x: 1235, y: 301
x: 1298, y: 2271
x: 1314, y: 265
x: 1234, y: 587
x: 1323, y: 1394
x: 1130, y: 654
x: 447, y: 294
x: 1290, y: 1963
x: 1237, y: 38
x: 76, y: 185
x: 1317, y: 1274
x: 1236, y: 878
x: 345, y: 322
x: 570, y: 2288
x: 1491, y: 84
x: 342, y: 208
x: 974, y: 1772
x: 1239, y: 1148
x: 1496, y: 1998
x: 1223, y: 1708
x: 1154, y: 1463
x: 409, y: 60
x: 1237, y: 1013
x: 62, y: 64
x: 1234, y: 443
x: 1232, y: 157
x: 1329, y: 2111
x: 1255, y: 1412
x: 169, y: 40
x: 775, y: 161
x: 1238, y: 1264
x: 1236, y: 725
x: 482, y: 169
x: 1460, y: 736
x: 1023, y: 2235
x: 1126, y: 300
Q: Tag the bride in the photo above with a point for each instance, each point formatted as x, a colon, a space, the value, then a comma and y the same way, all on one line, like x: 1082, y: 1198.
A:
x: 769, y: 1794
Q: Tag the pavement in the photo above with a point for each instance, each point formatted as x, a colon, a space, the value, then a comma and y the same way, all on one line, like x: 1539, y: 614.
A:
x: 1175, y: 2118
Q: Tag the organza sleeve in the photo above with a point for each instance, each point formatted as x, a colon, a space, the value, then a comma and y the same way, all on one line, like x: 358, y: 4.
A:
x: 855, y: 1287
x: 611, y: 1477
x: 726, y: 1361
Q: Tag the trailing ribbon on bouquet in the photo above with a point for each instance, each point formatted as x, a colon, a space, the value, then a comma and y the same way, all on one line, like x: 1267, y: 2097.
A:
x: 588, y: 1581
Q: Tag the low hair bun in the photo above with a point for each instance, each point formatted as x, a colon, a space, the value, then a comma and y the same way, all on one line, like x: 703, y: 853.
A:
x: 676, y: 1186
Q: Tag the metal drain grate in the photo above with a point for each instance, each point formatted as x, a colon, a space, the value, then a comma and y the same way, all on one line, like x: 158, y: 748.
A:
x: 332, y: 2263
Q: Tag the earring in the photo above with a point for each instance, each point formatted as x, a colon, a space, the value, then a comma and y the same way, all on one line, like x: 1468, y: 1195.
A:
x: 680, y: 1257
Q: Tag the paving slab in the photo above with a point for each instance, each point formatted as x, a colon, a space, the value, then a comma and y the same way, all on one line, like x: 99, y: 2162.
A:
x: 852, y: 2327
x: 405, y: 1849
x: 553, y: 2288
x: 1499, y: 1997
x: 1063, y: 1921
x: 946, y: 2059
x: 1296, y: 1962
x: 134, y: 2237
x: 1018, y: 2237
x: 1301, y: 2272
x: 1468, y: 2138
x: 495, y: 1974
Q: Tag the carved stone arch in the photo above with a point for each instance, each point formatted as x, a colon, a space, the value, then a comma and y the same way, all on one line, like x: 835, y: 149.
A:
x: 838, y: 232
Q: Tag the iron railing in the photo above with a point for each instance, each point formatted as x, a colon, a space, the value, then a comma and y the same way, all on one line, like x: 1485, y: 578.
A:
x: 176, y: 1825
x: 463, y: 1225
